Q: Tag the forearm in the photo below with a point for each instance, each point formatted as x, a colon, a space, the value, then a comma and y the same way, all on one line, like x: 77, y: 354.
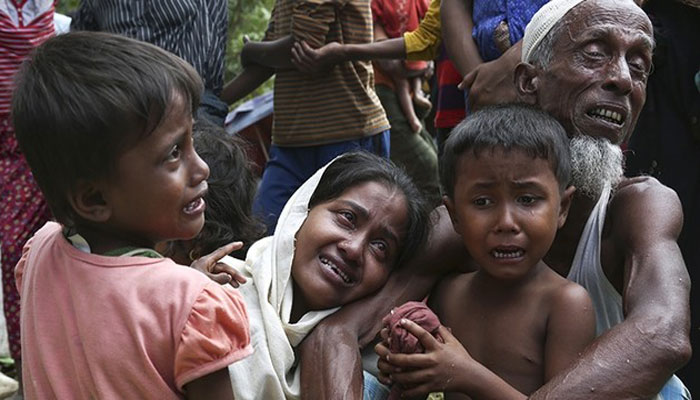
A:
x: 636, y: 357
x: 275, y: 54
x: 627, y: 362
x: 385, y: 49
x: 457, y: 24
x: 330, y: 362
x: 250, y: 79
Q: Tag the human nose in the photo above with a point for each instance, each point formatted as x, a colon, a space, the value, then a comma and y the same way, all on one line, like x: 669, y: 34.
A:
x: 506, y: 221
x: 200, y: 169
x: 619, y: 78
x: 351, y: 247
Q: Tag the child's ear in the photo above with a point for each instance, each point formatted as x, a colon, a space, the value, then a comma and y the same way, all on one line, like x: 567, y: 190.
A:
x: 449, y: 204
x: 89, y: 203
x: 566, y: 198
x: 526, y: 82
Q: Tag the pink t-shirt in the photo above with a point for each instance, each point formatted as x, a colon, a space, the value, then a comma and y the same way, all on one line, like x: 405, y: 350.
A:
x: 120, y: 327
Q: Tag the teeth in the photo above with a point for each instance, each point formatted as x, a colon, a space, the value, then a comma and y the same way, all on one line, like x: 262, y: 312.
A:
x: 507, y: 254
x: 335, y: 269
x: 192, y: 205
x: 609, y: 115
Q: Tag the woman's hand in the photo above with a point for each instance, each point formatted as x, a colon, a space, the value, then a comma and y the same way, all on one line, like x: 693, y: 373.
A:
x: 219, y: 272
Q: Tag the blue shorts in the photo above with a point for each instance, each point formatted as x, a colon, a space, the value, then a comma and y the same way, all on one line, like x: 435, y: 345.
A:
x: 289, y: 167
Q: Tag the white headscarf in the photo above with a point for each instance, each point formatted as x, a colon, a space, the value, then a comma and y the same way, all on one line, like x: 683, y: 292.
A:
x: 542, y: 22
x: 271, y: 372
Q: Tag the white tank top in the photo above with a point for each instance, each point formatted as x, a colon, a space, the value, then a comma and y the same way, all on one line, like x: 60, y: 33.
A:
x: 587, y: 271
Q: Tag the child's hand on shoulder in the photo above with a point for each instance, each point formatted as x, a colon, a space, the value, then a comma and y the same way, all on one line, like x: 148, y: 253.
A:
x: 219, y: 272
x: 437, y: 369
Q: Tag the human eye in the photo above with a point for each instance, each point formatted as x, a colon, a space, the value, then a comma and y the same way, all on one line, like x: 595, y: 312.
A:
x: 174, y: 154
x: 380, y: 248
x: 346, y: 217
x: 639, y: 67
x: 482, y: 202
x: 594, y: 50
x: 527, y: 199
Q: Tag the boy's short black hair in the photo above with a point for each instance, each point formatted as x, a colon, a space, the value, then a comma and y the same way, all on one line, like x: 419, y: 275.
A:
x: 83, y: 98
x: 355, y: 168
x: 508, y: 127
x: 228, y: 216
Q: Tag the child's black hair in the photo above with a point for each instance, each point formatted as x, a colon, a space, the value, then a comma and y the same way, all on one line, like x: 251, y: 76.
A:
x: 356, y: 168
x: 228, y: 216
x: 83, y: 98
x: 508, y: 127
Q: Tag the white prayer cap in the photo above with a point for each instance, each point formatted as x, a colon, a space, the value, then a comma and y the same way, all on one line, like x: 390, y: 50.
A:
x: 542, y: 22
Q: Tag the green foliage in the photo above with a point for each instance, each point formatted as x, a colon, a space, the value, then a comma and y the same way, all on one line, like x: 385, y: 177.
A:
x: 246, y: 17
x: 66, y: 6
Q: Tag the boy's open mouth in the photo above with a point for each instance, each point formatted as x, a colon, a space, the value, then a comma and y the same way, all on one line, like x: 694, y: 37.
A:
x: 507, y: 253
x: 331, y: 265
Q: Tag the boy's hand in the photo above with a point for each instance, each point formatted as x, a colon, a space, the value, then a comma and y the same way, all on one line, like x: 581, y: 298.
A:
x: 438, y: 369
x: 219, y: 272
x: 311, y: 61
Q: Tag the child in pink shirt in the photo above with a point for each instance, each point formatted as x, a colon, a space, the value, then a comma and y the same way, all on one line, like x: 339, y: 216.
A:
x: 106, y: 126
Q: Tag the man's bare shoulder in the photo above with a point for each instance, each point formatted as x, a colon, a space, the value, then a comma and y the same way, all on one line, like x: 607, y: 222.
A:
x: 643, y: 203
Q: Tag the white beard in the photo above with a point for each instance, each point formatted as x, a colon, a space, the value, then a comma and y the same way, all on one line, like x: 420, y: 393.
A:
x: 595, y: 161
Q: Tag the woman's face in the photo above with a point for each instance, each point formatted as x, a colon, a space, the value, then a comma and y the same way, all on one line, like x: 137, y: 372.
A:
x: 347, y: 246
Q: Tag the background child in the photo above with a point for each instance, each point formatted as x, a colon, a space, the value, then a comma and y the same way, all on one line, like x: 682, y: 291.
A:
x: 228, y: 216
x: 505, y: 172
x: 338, y: 238
x: 106, y: 126
x: 392, y: 20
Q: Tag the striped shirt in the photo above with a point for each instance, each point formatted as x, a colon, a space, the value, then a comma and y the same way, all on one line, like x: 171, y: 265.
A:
x: 339, y: 104
x: 24, y: 25
x: 195, y: 30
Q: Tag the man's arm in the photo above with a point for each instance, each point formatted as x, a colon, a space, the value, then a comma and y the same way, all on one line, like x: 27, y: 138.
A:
x: 276, y: 54
x: 457, y: 24
x: 252, y: 76
x: 636, y: 357
x: 330, y: 355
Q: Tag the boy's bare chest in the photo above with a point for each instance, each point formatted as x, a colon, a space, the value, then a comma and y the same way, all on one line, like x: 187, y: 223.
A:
x: 508, y: 338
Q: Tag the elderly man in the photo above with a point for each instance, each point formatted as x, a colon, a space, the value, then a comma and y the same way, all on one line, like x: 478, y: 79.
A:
x: 586, y: 63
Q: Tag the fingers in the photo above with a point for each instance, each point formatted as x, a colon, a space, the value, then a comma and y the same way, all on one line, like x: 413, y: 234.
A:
x: 424, y: 337
x: 297, y: 57
x: 236, y: 277
x: 206, y: 263
x: 220, y: 278
x: 468, y: 80
x: 222, y: 251
x: 446, y: 334
x: 304, y: 57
